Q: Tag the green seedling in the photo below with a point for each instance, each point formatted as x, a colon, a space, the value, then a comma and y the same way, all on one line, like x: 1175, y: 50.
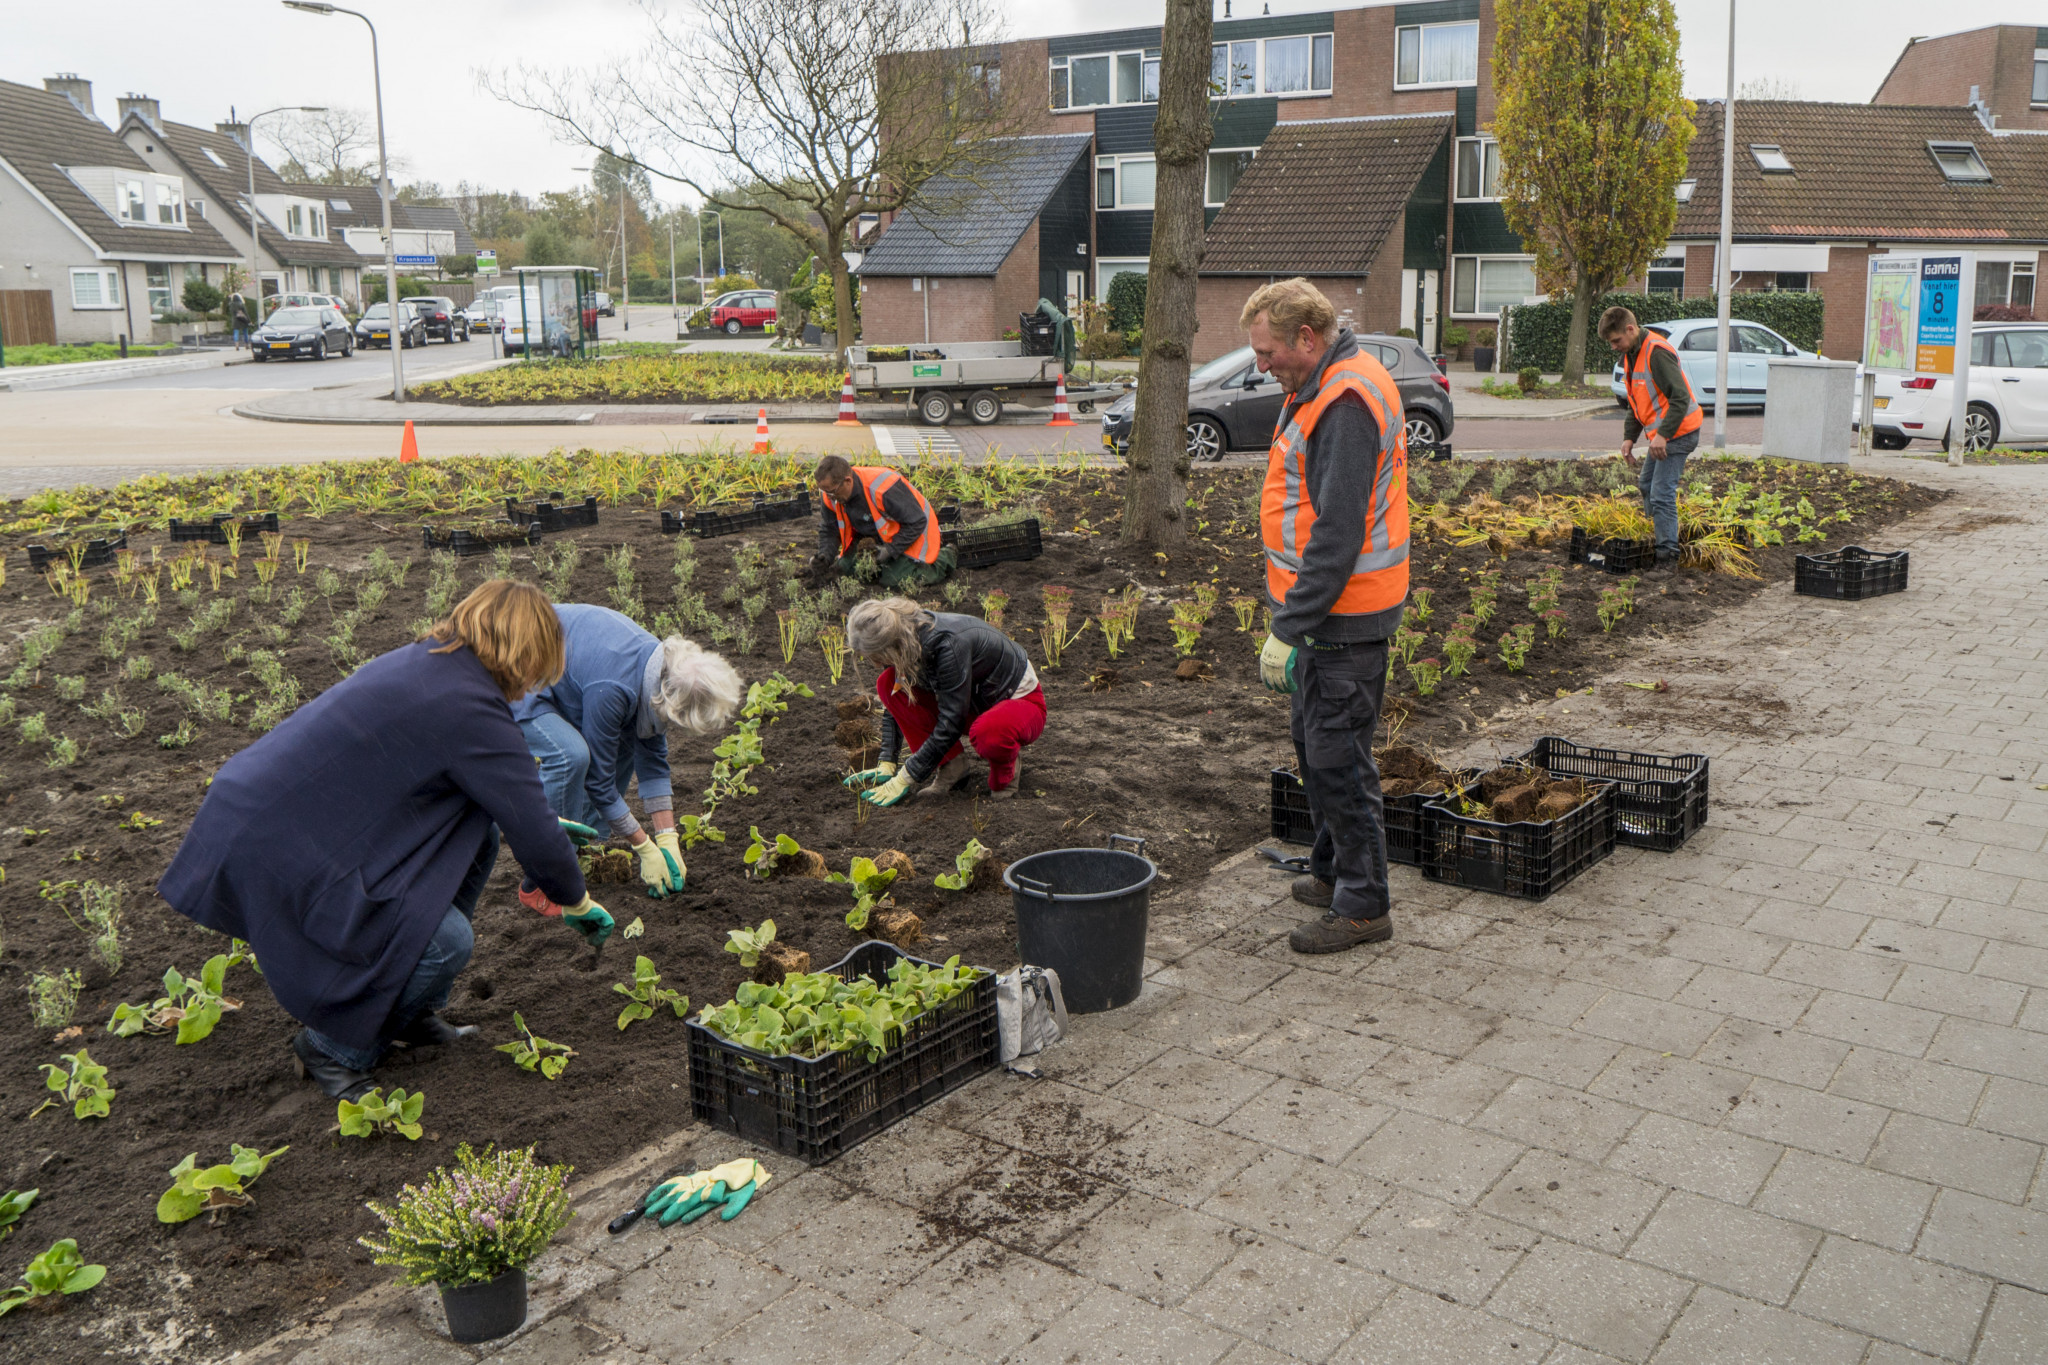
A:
x: 964, y: 866
x: 13, y: 1204
x: 812, y: 1014
x: 216, y: 1189
x: 84, y: 1087
x: 1427, y: 673
x: 180, y: 737
x: 377, y: 1113
x: 749, y: 944
x: 646, y: 993
x: 635, y: 929
x: 1514, y: 646
x: 192, y: 1005
x: 1419, y: 607
x: 870, y: 889
x: 138, y: 821
x: 534, y: 1053
x: 1459, y: 649
x: 58, y: 1271
x: 761, y: 855
x: 698, y: 829
x: 63, y: 753
x: 52, y: 999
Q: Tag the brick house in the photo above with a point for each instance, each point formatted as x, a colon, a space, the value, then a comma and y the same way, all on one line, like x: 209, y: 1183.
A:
x: 1821, y: 187
x: 2005, y: 66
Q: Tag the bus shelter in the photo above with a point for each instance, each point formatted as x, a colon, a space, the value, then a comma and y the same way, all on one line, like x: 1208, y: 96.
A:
x: 555, y: 313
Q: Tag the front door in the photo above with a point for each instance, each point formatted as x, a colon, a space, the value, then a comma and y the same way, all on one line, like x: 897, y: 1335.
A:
x: 1418, y: 306
x: 1077, y: 289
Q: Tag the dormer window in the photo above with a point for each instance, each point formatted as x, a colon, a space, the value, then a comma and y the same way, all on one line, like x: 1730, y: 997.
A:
x: 1959, y: 162
x: 1770, y: 158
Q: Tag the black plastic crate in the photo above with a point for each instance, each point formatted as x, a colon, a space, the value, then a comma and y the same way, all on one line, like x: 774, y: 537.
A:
x: 706, y: 522
x: 215, y: 530
x: 980, y: 546
x: 1614, y: 555
x: 1402, y: 816
x: 1528, y: 860
x: 1659, y: 799
x: 1850, y: 575
x: 948, y: 515
x: 820, y: 1108
x: 793, y: 505
x: 556, y: 515
x: 462, y: 544
x: 1291, y: 822
x: 98, y: 553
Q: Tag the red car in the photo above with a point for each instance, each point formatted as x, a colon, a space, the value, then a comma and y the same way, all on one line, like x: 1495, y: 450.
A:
x: 742, y: 311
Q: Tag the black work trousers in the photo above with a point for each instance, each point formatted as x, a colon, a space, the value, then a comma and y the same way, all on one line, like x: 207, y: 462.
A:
x: 1335, y: 711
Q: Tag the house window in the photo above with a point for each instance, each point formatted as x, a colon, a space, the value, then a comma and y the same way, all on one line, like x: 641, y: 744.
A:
x: 1478, y: 168
x: 96, y: 287
x: 130, y: 197
x: 1684, y: 191
x: 159, y: 287
x: 1148, y: 88
x: 2006, y: 283
x: 198, y: 207
x: 214, y: 157
x: 2041, y: 76
x: 1666, y: 274
x: 1295, y: 65
x: 295, y: 220
x: 1483, y: 285
x: 169, y: 207
x: 1124, y: 182
x: 1058, y: 95
x: 1436, y: 54
x: 1111, y: 78
x: 1959, y: 161
x: 1225, y: 170
x: 1770, y: 158
x: 1792, y: 282
x: 1108, y: 270
x: 1091, y: 81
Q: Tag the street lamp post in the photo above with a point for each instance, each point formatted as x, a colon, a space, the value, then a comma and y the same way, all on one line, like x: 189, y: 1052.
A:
x: 249, y: 154
x: 1724, y: 268
x: 383, y: 190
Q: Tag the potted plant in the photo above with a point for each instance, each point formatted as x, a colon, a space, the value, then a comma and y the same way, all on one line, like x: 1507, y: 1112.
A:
x: 1455, y: 339
x: 1482, y: 350
x: 472, y: 1231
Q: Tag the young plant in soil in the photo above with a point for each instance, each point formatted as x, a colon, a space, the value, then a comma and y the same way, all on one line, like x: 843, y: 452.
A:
x: 215, y: 1190
x: 84, y: 1086
x: 1059, y: 606
x: 52, y: 1275
x: 784, y: 855
x: 1515, y: 644
x: 534, y: 1053
x: 13, y: 1204
x: 967, y: 868
x: 100, y: 905
x: 993, y: 603
x: 192, y: 1005
x: 833, y: 643
x: 870, y: 885
x: 1460, y: 645
x: 377, y: 1112
x: 646, y: 993
x: 52, y: 1000
x: 1426, y: 674
x: 1186, y: 624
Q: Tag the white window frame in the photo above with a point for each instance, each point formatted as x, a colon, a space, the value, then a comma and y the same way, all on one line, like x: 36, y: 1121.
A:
x: 1937, y: 150
x: 1116, y: 165
x: 1259, y: 74
x: 1208, y: 202
x: 1684, y: 189
x: 1108, y: 269
x: 1478, y: 276
x: 1148, y: 78
x: 168, y: 289
x: 1421, y: 32
x: 106, y: 286
x: 170, y: 197
x: 1489, y: 150
x: 2040, y: 91
x: 1762, y: 153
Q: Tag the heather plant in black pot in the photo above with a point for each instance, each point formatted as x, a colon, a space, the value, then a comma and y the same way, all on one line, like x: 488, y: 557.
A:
x: 471, y: 1230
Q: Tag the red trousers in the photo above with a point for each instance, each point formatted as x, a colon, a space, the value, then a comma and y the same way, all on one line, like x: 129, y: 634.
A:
x: 997, y: 734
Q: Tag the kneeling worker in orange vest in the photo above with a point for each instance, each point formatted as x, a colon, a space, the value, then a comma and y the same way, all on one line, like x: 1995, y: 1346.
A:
x: 1334, y: 518
x: 870, y: 502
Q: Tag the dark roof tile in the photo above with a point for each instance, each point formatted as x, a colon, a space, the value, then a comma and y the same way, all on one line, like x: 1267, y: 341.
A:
x: 968, y: 224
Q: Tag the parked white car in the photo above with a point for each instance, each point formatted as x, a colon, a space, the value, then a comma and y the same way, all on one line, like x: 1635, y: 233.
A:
x: 1751, y: 348
x: 2008, y: 394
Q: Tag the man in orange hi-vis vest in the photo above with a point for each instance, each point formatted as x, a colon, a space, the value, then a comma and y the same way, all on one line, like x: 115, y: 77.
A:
x: 1660, y: 402
x: 1334, y: 519
x: 863, y: 502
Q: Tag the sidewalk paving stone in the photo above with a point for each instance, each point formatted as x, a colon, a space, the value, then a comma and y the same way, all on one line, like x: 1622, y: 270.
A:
x: 1595, y: 1301
x: 1720, y: 1329
x: 1900, y: 1298
x: 1747, y: 1252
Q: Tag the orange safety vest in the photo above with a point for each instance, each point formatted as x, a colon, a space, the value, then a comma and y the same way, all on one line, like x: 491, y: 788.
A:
x: 1287, y: 518
x: 874, y: 483
x: 1646, y: 400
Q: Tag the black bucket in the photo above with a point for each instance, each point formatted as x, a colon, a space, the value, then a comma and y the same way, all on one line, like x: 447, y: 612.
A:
x: 1082, y: 912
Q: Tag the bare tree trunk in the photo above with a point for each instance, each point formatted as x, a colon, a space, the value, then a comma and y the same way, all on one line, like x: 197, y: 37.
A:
x: 1575, y: 344
x: 842, y: 301
x: 1156, y: 489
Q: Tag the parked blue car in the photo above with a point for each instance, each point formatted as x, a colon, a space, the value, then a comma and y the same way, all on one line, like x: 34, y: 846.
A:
x: 1751, y: 347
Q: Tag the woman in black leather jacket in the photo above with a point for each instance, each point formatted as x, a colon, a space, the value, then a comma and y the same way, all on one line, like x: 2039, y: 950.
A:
x: 944, y: 677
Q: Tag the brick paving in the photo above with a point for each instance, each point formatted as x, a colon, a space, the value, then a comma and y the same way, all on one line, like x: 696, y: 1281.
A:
x: 1778, y: 1096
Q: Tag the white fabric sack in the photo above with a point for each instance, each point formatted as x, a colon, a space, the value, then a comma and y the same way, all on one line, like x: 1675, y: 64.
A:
x: 1031, y: 1014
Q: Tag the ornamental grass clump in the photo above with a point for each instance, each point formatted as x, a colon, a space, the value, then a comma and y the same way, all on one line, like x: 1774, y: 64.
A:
x: 492, y: 1214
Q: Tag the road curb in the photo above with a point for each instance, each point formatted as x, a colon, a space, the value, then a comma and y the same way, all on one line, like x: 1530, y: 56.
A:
x: 32, y: 378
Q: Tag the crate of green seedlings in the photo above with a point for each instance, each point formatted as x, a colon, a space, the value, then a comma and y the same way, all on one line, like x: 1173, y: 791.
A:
x: 91, y: 554
x: 979, y: 547
x: 813, y: 1066
x: 1614, y: 554
x: 1517, y: 832
x: 1659, y: 799
x: 559, y: 514
x: 1851, y: 574
x: 463, y: 543
x: 214, y: 531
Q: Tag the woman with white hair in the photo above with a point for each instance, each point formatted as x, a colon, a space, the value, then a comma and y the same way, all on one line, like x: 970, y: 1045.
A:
x: 602, y: 726
x: 944, y: 677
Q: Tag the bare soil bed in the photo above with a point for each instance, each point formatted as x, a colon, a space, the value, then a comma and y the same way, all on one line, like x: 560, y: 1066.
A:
x: 1131, y: 748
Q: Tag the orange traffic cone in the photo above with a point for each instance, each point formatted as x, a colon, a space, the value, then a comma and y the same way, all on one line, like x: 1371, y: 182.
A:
x: 761, y: 433
x: 847, y: 416
x: 1060, y: 418
x: 409, y: 448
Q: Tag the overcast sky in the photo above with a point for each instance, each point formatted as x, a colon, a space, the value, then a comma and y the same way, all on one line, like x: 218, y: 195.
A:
x: 197, y: 58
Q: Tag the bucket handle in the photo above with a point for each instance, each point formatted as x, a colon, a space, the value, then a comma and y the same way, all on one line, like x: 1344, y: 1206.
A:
x: 1137, y: 844
x: 1031, y: 885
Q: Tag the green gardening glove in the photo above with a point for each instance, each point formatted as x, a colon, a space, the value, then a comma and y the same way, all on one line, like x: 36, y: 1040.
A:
x: 870, y: 777
x: 590, y: 920
x: 890, y: 792
x: 1280, y: 666
x: 661, y: 863
x: 580, y: 835
x: 686, y: 1198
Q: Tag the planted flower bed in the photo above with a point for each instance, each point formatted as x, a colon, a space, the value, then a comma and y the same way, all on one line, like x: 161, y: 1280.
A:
x: 710, y: 377
x: 126, y: 688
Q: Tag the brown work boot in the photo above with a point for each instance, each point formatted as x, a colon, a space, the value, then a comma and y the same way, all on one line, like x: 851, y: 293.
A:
x: 1313, y: 890
x: 1333, y: 933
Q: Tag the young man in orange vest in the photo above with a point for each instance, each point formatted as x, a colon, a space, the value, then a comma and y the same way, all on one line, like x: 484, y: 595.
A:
x: 1334, y: 519
x: 1660, y: 401
x: 869, y: 502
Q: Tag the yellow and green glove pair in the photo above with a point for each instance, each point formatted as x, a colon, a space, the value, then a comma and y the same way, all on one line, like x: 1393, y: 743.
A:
x: 686, y: 1198
x: 887, y: 784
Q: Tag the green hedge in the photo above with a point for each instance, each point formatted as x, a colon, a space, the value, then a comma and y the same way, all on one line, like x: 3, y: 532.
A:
x: 1126, y: 301
x: 1539, y: 331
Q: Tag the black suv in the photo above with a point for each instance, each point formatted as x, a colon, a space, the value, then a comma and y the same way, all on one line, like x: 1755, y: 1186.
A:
x: 1231, y: 406
x: 442, y: 318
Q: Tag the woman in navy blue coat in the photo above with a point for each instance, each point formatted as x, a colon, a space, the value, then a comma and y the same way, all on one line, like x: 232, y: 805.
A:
x: 349, y: 845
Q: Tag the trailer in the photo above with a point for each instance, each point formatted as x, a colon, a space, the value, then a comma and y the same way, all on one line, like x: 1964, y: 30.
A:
x: 980, y: 378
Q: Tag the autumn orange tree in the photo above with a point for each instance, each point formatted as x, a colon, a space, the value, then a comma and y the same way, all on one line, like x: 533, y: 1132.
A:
x: 1593, y: 126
